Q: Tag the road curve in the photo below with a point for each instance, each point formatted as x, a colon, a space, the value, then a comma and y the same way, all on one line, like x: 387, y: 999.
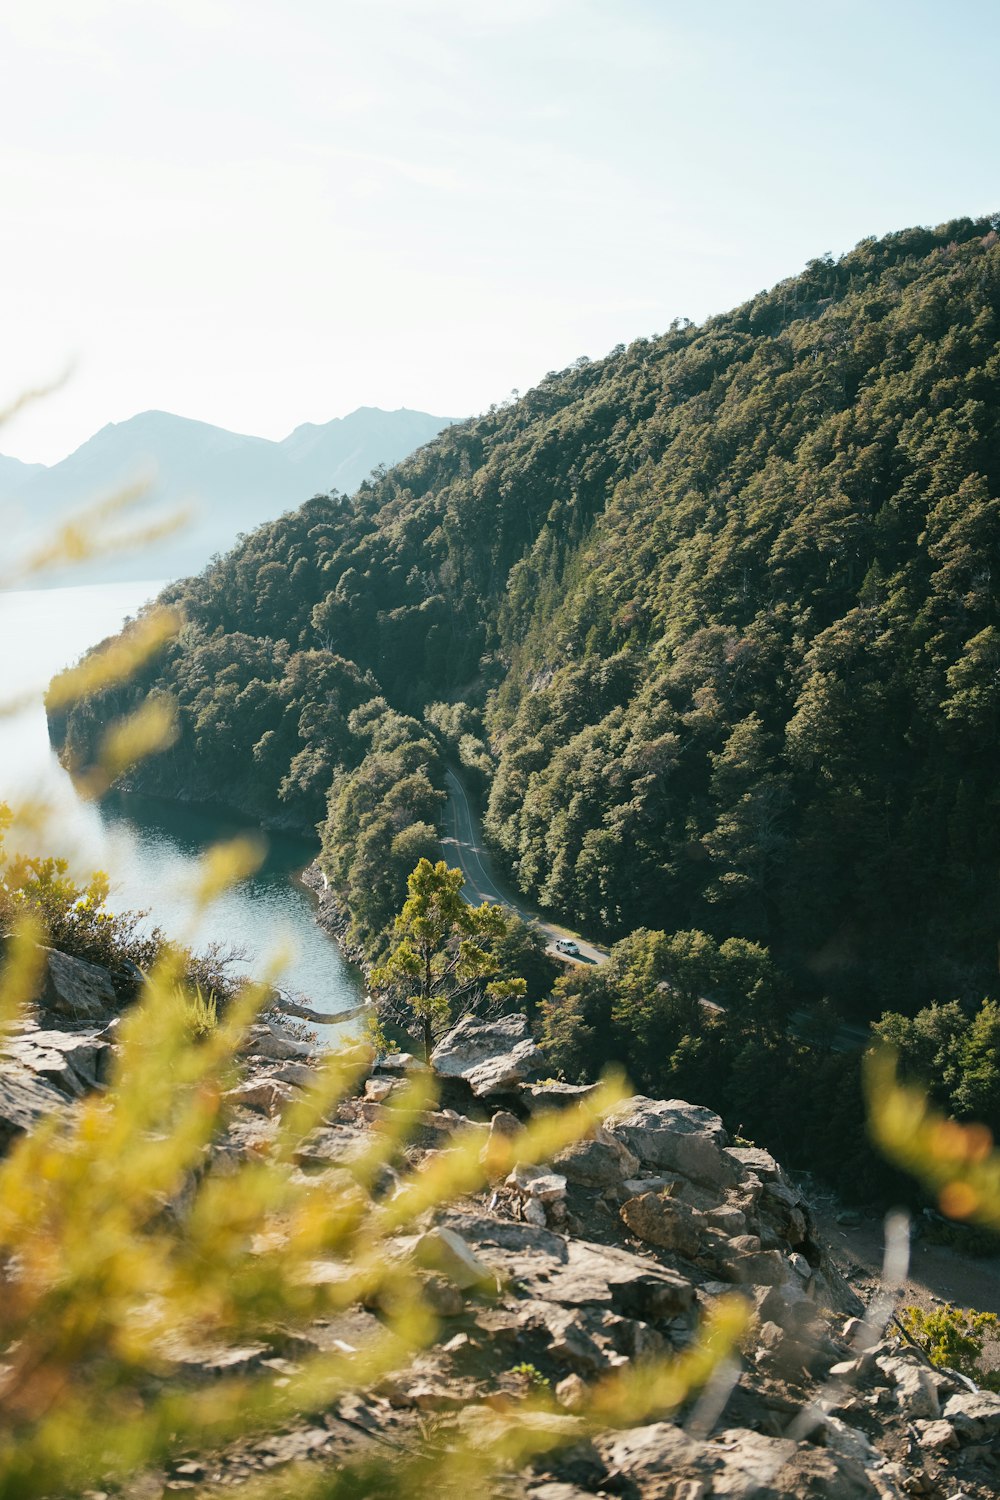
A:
x: 462, y: 845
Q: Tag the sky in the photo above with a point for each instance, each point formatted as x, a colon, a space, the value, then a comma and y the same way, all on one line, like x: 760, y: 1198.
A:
x: 260, y: 213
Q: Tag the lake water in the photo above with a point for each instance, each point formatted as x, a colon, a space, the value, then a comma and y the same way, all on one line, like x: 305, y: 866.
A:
x: 149, y: 847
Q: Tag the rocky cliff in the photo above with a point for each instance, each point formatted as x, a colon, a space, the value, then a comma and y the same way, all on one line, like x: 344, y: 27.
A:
x: 552, y: 1276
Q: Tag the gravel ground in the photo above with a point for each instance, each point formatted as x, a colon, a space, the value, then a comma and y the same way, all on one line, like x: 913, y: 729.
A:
x: 937, y: 1273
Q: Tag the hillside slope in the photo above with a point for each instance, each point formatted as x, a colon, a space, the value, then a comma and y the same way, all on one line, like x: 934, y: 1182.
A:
x: 720, y: 611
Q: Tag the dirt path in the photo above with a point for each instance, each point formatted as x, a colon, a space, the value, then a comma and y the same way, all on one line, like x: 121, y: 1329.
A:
x: 938, y: 1274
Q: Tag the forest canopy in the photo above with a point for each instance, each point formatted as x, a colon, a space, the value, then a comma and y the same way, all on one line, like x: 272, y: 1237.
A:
x: 711, y: 623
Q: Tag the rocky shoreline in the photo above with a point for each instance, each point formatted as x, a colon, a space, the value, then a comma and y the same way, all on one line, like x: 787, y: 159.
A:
x: 332, y: 915
x: 606, y: 1257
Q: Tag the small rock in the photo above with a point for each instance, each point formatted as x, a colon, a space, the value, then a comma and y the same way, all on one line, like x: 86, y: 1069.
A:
x: 551, y: 1188
x: 71, y: 1060
x: 859, y: 1334
x: 435, y: 1398
x: 536, y: 1182
x: 788, y: 1304
x: 444, y: 1298
x: 727, y: 1220
x: 664, y: 1222
x: 496, y: 1154
x: 758, y: 1161
x: 636, y: 1186
x: 402, y: 1062
x: 571, y: 1392
x: 769, y: 1337
x: 554, y: 1095
x: 300, y: 1075
x: 638, y: 1452
x: 332, y: 1146
x: 494, y: 1426
x: 24, y: 1100
x: 936, y: 1436
x: 504, y: 1124
x: 757, y: 1268
x: 272, y: 1042
x: 576, y: 1272
x: 599, y: 1163
x: 445, y: 1251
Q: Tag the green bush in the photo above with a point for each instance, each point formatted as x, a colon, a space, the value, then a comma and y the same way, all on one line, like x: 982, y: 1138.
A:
x: 954, y: 1337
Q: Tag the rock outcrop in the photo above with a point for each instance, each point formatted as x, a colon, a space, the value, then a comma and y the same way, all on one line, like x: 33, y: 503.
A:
x: 492, y: 1057
x: 605, y: 1258
x: 76, y: 991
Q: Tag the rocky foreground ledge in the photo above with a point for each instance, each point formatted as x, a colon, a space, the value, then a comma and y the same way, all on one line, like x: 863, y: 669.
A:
x: 558, y: 1274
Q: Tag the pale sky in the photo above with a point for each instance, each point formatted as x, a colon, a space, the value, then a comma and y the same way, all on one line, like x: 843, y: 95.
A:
x: 262, y: 213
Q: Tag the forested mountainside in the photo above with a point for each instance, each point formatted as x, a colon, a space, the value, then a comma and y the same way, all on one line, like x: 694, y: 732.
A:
x: 721, y: 613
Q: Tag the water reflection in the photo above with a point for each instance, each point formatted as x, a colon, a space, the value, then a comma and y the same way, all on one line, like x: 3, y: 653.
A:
x: 150, y: 847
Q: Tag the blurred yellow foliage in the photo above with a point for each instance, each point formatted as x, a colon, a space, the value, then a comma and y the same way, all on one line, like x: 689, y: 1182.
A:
x: 117, y: 660
x: 957, y: 1162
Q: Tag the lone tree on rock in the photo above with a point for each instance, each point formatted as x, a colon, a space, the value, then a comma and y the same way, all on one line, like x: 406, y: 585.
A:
x: 441, y: 959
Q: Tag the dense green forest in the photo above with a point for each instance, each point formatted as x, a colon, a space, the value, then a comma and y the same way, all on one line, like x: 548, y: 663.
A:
x: 711, y: 624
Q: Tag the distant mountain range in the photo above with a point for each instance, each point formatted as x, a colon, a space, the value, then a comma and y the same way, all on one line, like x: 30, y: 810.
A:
x: 230, y: 482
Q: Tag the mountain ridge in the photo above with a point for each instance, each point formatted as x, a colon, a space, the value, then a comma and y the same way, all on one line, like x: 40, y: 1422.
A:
x: 234, y: 481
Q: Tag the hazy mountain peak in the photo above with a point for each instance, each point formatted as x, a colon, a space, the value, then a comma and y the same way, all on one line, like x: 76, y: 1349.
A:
x: 233, y: 481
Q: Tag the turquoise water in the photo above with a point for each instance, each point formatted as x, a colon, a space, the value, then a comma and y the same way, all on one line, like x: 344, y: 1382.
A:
x: 150, y: 848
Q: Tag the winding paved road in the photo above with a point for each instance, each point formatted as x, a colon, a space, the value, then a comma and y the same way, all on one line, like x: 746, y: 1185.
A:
x: 463, y: 847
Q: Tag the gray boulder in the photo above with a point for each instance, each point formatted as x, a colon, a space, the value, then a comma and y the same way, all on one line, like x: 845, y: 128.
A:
x: 24, y: 1100
x: 268, y: 1095
x: 916, y: 1386
x: 575, y: 1273
x: 402, y: 1063
x: 75, y: 990
x: 755, y: 1267
x: 75, y: 1062
x: 536, y: 1182
x: 672, y: 1134
x: 974, y: 1416
x: 332, y: 1146
x: 269, y: 1040
x: 601, y: 1163
x: 737, y: 1463
x: 660, y: 1448
x: 493, y: 1057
